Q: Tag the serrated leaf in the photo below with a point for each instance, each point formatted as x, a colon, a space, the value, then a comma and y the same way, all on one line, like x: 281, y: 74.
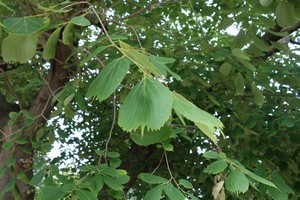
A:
x: 109, y: 79
x: 67, y: 34
x: 151, y: 137
x: 112, y: 183
x: 160, y: 62
x: 186, y: 184
x: 37, y: 178
x: 237, y: 182
x: 24, y: 26
x: 51, y: 44
x: 239, y: 84
x: 85, y: 195
x: 148, y: 104
x: 285, y: 14
x: 216, y: 167
x: 172, y: 192
x: 140, y: 59
x: 205, y: 121
x: 154, y: 194
x: 225, y: 68
x: 258, y: 95
x: 80, y: 21
x: 240, y: 54
x: 151, y: 179
x: 52, y: 192
x: 19, y: 48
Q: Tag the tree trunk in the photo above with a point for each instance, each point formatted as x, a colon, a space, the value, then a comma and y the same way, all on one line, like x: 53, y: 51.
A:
x: 56, y: 79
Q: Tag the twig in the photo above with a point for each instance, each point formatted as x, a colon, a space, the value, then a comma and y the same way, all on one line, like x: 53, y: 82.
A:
x: 112, y: 126
x: 168, y: 166
x: 160, y: 161
x: 11, y: 89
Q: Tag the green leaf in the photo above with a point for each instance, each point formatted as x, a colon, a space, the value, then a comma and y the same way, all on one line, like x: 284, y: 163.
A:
x: 154, y: 194
x: 281, y: 184
x: 186, y: 184
x: 151, y: 179
x: 258, y: 95
x: 10, y: 161
x: 19, y: 48
x: 68, y: 187
x: 115, y: 162
x: 151, y: 137
x: 25, y: 26
x: 93, y: 54
x: 113, y: 154
x: 51, y: 44
x: 122, y: 179
x: 265, y: 2
x: 109, y: 79
x: 140, y: 59
x: 205, y: 121
x: 9, y: 186
x: 7, y: 145
x: 225, y: 68
x: 52, y: 192
x: 80, y: 21
x: 87, y: 168
x: 240, y: 54
x: 211, y: 155
x: 112, y: 183
x: 237, y: 182
x: 37, y: 178
x: 148, y: 104
x: 239, y: 84
x: 216, y: 167
x: 285, y: 14
x: 160, y: 63
x: 67, y: 34
x: 85, y: 195
x: 80, y: 99
x: 3, y: 170
x: 247, y: 64
x: 172, y: 192
x: 259, y: 43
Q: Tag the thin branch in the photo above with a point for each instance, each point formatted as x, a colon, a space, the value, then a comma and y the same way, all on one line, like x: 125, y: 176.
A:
x: 160, y: 161
x: 112, y: 126
x: 11, y: 89
x: 168, y: 166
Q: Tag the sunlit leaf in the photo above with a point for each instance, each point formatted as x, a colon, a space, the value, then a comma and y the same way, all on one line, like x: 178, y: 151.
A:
x: 240, y: 54
x: 80, y: 21
x: 173, y: 193
x: 285, y: 14
x: 67, y: 34
x: 85, y: 195
x: 140, y: 59
x: 148, y: 105
x: 24, y: 26
x: 112, y: 183
x: 37, y: 178
x: 52, y: 192
x: 186, y: 184
x: 237, y: 182
x: 205, y: 121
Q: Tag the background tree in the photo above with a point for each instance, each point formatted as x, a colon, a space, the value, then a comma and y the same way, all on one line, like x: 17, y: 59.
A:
x: 113, y: 82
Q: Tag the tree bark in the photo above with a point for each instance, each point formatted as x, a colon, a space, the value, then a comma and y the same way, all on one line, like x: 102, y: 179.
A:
x: 56, y: 79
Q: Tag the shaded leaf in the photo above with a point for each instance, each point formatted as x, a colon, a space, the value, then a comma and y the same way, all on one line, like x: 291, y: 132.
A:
x: 151, y: 179
x: 51, y: 44
x: 85, y: 195
x: 52, y: 192
x: 240, y: 54
x: 239, y: 84
x: 186, y: 184
x: 172, y: 192
x: 112, y: 183
x: 216, y: 167
x: 109, y: 79
x: 258, y: 95
x: 37, y: 178
x: 154, y: 194
x: 19, y: 48
x: 93, y: 54
x: 148, y: 104
x: 285, y: 14
x: 225, y: 68
x: 67, y: 34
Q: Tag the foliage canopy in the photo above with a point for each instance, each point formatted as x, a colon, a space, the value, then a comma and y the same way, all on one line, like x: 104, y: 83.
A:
x: 169, y: 99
